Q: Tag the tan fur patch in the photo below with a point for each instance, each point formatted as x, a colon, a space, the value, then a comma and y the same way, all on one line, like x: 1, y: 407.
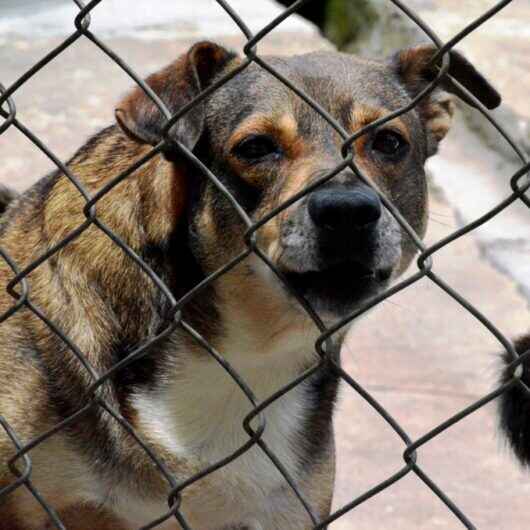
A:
x: 283, y: 127
x: 362, y: 115
x: 439, y: 115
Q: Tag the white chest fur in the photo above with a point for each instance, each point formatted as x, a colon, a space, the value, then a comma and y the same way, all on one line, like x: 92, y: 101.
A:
x: 199, y: 417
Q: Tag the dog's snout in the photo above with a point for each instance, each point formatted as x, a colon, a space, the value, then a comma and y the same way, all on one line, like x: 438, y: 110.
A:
x: 343, y: 210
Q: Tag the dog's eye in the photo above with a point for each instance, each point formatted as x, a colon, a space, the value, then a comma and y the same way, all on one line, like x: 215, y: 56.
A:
x: 389, y: 143
x: 255, y: 147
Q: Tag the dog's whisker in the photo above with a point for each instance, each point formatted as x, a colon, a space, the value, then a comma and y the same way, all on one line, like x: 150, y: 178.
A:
x: 442, y: 223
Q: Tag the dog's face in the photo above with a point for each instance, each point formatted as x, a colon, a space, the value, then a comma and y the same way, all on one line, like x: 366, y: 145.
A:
x: 337, y: 245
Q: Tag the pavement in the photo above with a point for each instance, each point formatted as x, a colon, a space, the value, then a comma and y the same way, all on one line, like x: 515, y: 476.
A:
x: 419, y: 354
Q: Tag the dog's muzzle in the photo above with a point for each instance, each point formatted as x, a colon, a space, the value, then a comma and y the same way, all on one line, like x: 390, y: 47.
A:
x: 340, y: 246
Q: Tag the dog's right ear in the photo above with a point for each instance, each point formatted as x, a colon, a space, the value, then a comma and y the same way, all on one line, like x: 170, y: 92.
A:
x: 176, y: 85
x: 416, y: 69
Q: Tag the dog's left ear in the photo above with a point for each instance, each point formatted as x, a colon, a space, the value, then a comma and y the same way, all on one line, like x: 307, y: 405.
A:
x: 416, y: 69
x: 176, y: 85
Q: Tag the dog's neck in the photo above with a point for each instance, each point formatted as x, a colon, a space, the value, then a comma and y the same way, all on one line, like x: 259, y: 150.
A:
x: 201, y: 406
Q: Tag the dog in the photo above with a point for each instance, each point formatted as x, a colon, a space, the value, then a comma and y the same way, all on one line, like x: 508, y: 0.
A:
x: 336, y: 247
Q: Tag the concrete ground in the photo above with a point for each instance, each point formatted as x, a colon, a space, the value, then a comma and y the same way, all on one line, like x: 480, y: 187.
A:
x: 420, y: 354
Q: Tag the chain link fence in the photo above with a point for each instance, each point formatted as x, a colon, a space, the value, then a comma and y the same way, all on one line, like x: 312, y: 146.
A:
x: 19, y: 288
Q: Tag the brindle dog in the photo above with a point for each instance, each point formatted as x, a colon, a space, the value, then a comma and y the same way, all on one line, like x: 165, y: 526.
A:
x: 337, y: 247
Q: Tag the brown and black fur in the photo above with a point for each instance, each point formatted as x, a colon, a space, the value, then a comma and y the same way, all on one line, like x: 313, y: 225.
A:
x: 178, y: 222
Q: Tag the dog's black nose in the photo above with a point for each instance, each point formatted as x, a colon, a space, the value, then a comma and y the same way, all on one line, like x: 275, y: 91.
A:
x: 343, y: 210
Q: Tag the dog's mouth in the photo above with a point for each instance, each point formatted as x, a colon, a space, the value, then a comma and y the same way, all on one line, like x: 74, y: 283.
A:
x: 339, y: 288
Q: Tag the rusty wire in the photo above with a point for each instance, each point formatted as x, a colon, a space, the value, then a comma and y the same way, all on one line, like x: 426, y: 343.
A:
x: 21, y: 465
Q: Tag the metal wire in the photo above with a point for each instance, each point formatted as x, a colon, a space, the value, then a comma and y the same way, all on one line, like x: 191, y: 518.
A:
x: 20, y: 464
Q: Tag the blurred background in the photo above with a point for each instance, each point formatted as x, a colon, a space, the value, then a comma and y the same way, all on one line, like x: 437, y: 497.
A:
x: 421, y: 355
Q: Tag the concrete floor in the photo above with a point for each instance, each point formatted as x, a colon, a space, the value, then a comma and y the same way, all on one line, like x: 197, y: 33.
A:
x: 421, y: 355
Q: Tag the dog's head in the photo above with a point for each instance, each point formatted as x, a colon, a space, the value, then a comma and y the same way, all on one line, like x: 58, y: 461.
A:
x: 337, y: 245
